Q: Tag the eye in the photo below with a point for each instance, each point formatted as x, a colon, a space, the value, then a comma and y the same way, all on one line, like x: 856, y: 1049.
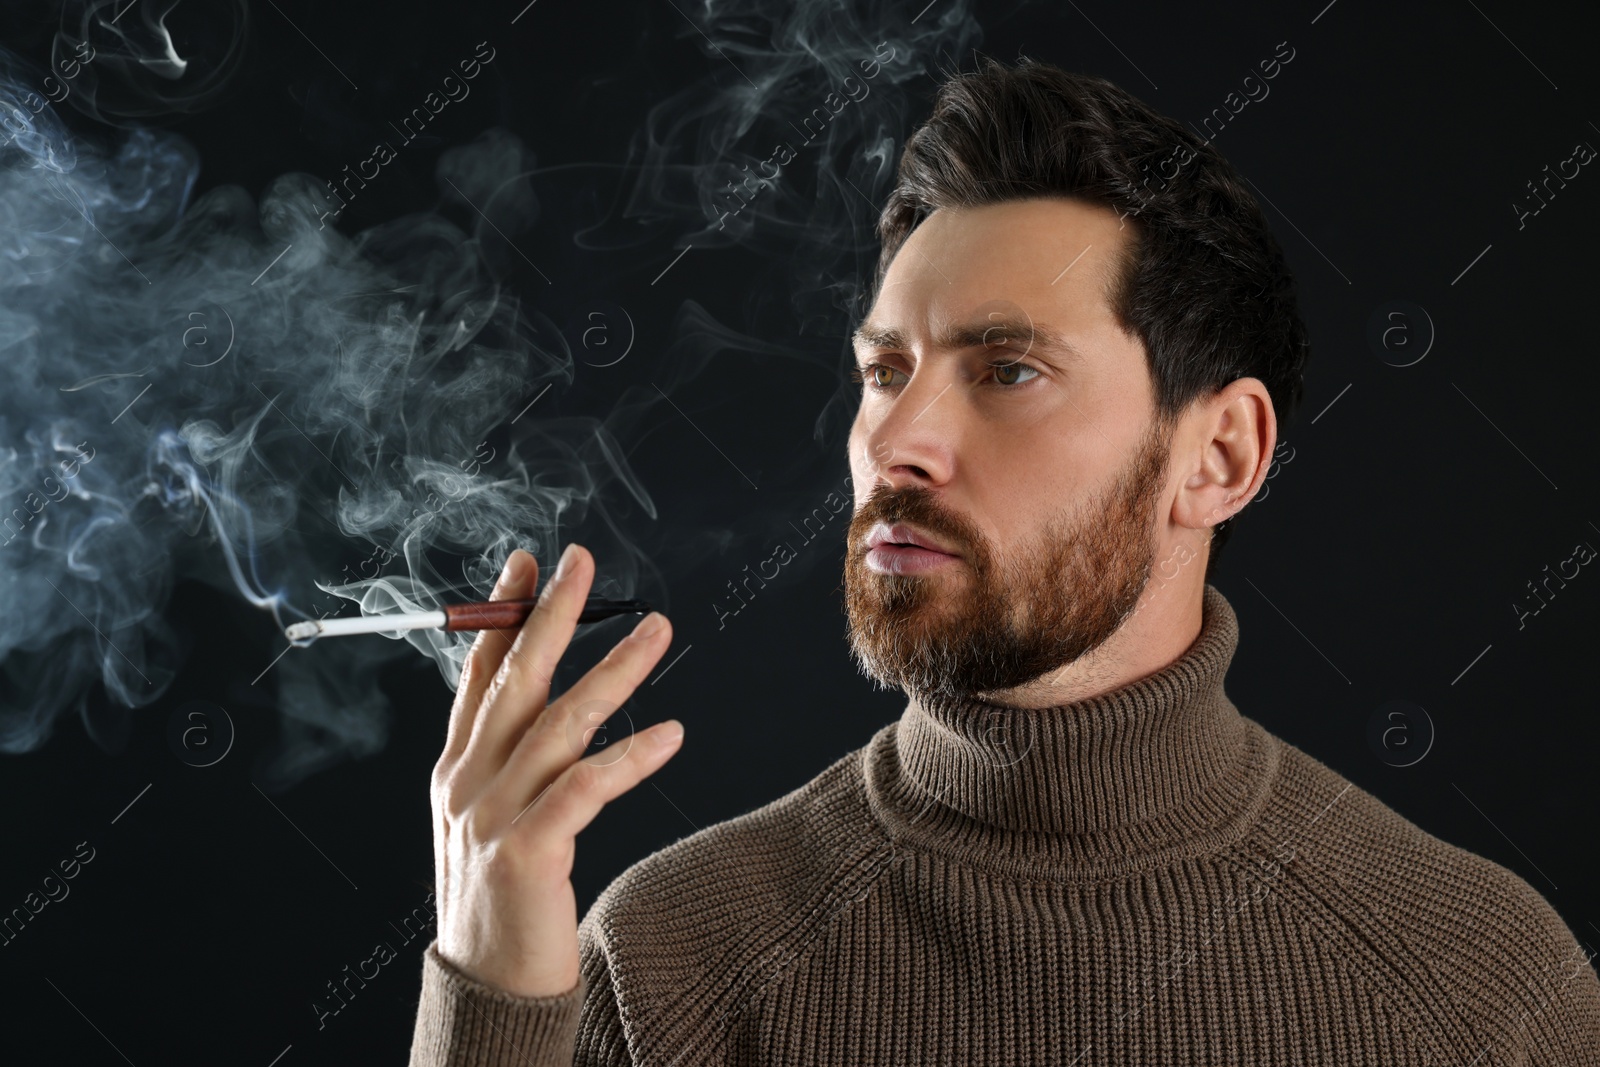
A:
x: 859, y: 374
x: 1003, y: 374
x: 1002, y: 369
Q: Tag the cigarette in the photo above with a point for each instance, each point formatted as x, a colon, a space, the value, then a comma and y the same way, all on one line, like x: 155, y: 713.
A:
x: 487, y: 615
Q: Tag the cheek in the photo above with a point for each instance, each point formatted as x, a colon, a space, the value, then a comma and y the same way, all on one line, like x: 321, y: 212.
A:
x: 1027, y: 509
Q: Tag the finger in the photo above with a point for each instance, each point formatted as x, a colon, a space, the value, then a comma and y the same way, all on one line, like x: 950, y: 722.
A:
x: 570, y: 802
x: 558, y: 738
x: 521, y: 686
x: 488, y: 650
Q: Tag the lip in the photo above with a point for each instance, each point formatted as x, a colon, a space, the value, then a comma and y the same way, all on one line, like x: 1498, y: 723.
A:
x: 900, y: 534
x: 887, y: 558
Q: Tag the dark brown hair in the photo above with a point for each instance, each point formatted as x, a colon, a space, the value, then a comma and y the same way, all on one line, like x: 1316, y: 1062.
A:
x: 1202, y: 281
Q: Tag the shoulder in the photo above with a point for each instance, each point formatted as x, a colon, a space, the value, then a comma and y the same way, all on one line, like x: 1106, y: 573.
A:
x: 1474, y: 951
x: 691, y: 930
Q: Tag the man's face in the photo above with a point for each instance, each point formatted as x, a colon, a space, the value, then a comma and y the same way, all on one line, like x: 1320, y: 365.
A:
x: 1042, y: 480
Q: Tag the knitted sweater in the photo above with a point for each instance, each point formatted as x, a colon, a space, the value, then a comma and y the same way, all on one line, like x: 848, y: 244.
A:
x: 1141, y: 877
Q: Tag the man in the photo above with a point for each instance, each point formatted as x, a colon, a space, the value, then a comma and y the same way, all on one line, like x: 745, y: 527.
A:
x: 1071, y: 848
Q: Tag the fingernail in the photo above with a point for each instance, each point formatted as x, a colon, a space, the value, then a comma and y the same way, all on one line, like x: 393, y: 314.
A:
x: 649, y: 625
x: 668, y: 733
x: 511, y: 571
x: 565, y: 563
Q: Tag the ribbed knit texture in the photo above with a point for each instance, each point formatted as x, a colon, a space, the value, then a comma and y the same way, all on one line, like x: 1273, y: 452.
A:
x: 1144, y: 877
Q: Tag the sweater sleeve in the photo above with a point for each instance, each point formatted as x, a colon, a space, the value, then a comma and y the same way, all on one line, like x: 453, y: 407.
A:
x: 464, y: 1023
x: 1562, y: 1029
x: 1572, y: 1038
x: 1551, y: 1011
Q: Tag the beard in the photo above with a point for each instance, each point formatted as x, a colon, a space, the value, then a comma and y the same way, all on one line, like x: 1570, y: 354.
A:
x: 1015, y: 615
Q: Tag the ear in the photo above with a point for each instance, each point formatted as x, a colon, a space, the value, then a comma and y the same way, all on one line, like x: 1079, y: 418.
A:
x: 1229, y: 440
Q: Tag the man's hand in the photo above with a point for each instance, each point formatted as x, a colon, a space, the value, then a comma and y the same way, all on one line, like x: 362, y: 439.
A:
x: 510, y: 791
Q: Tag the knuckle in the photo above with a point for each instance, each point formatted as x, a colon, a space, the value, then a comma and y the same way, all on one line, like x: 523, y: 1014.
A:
x: 453, y: 799
x: 443, y: 769
x: 471, y: 667
x: 496, y: 683
x: 480, y: 825
x: 578, y: 728
x: 535, y: 736
x: 475, y: 669
x: 585, y: 778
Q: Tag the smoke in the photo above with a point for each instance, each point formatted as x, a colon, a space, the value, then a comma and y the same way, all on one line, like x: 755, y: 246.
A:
x: 228, y: 389
x: 113, y: 60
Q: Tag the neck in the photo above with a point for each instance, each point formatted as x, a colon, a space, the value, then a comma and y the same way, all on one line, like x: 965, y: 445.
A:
x: 1146, y: 772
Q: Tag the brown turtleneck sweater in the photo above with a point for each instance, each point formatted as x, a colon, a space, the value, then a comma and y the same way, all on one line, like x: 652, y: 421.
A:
x: 1141, y: 877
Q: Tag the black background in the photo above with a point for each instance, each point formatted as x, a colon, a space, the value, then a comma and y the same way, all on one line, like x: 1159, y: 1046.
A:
x: 1385, y: 558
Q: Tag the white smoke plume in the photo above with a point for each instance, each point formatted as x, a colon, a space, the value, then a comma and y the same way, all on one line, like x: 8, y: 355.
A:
x: 229, y: 389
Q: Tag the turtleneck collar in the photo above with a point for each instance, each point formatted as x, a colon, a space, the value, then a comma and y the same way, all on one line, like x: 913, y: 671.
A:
x: 1153, y: 771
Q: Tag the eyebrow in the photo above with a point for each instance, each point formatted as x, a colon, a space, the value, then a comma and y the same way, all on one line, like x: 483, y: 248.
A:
x: 1046, y: 338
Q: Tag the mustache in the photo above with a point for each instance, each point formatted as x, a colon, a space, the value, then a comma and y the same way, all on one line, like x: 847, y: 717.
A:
x: 912, y: 507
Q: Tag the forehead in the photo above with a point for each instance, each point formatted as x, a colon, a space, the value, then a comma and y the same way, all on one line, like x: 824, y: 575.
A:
x: 1046, y: 260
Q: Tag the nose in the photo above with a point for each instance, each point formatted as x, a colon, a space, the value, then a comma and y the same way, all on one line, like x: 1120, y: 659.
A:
x: 907, y: 445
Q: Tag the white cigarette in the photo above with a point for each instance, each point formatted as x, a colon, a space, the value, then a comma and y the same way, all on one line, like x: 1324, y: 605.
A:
x: 365, y: 624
